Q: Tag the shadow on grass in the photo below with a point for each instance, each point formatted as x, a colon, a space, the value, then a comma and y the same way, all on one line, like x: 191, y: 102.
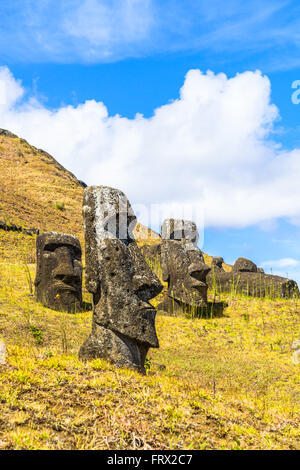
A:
x: 173, y: 307
x: 86, y: 306
x: 213, y: 310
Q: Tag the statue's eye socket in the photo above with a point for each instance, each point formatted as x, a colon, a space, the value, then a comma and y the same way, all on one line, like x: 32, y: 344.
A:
x: 121, y: 226
x: 51, y: 247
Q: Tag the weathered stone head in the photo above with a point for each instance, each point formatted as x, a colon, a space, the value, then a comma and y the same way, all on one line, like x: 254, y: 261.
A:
x: 58, y: 283
x: 120, y: 280
x: 183, y: 267
x: 178, y: 229
x: 217, y: 264
x: 244, y: 265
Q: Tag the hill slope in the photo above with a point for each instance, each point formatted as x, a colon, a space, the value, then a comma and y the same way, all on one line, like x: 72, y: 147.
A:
x: 37, y: 192
x: 229, y: 382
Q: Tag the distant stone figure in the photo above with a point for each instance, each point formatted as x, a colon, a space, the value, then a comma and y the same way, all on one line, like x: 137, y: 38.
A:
x: 244, y: 265
x: 246, y: 278
x: 58, y: 283
x: 123, y: 327
x: 217, y: 264
x: 183, y: 267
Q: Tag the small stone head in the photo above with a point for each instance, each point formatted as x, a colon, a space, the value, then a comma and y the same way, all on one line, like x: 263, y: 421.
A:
x: 178, y: 229
x: 217, y: 264
x: 182, y: 262
x: 58, y: 283
x: 244, y: 265
x: 116, y: 272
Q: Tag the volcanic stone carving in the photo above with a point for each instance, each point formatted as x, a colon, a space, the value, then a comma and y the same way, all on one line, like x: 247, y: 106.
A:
x: 120, y: 280
x: 244, y: 265
x: 58, y: 283
x: 217, y: 264
x: 247, y: 279
x: 183, y: 268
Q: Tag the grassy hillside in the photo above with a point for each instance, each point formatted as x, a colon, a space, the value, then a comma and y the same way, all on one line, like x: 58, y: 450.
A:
x: 36, y: 191
x: 228, y: 381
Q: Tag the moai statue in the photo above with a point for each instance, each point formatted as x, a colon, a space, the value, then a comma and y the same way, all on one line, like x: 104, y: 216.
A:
x: 217, y: 264
x: 58, y: 283
x: 123, y: 327
x: 244, y: 265
x: 183, y: 267
x: 246, y: 278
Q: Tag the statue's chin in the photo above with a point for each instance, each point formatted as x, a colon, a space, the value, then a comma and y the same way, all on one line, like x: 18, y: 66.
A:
x: 63, y: 297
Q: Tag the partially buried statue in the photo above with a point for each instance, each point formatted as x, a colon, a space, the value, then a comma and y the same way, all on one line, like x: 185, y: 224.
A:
x: 246, y: 278
x: 183, y: 268
x: 58, y: 283
x: 123, y: 327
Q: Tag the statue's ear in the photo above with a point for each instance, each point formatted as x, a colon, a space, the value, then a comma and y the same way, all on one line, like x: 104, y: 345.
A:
x: 92, y: 275
x: 92, y: 279
x: 164, y: 262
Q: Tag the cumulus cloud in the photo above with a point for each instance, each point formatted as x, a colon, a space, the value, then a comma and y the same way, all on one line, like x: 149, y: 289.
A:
x: 281, y: 263
x: 210, y: 148
x: 285, y: 267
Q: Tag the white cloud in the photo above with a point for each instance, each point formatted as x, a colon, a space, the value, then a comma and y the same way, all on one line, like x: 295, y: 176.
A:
x: 210, y: 148
x: 10, y: 90
x: 108, y: 30
x: 109, y: 22
x: 281, y: 263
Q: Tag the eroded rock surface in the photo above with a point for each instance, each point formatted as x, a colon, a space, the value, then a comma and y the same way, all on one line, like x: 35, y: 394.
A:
x: 246, y: 278
x: 120, y: 280
x: 183, y: 267
x: 58, y: 283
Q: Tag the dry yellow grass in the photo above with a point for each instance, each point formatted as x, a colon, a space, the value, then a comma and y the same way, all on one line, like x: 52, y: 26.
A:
x: 229, y: 382
x: 37, y: 192
x: 32, y: 185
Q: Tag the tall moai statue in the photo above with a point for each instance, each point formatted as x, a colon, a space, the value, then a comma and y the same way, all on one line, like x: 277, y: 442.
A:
x: 58, y: 282
x: 123, y: 326
x: 183, y: 267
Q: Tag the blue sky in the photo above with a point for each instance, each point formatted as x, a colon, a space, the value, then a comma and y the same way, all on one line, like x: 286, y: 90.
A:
x: 69, y: 64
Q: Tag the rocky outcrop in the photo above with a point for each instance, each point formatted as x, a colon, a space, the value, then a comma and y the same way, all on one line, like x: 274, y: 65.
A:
x: 7, y: 133
x: 18, y: 228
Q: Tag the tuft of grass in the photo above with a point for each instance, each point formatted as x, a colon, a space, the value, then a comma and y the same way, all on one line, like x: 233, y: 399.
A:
x: 60, y: 206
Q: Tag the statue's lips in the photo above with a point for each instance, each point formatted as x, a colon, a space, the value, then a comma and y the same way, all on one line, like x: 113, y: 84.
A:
x: 62, y: 286
x: 148, y: 312
x: 198, y: 285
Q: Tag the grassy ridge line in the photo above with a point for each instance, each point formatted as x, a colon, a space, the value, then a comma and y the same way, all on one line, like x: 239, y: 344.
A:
x: 36, y: 191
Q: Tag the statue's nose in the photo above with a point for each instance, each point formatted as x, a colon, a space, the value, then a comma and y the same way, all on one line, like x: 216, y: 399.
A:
x: 147, y: 286
x: 65, y: 268
x: 199, y: 271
